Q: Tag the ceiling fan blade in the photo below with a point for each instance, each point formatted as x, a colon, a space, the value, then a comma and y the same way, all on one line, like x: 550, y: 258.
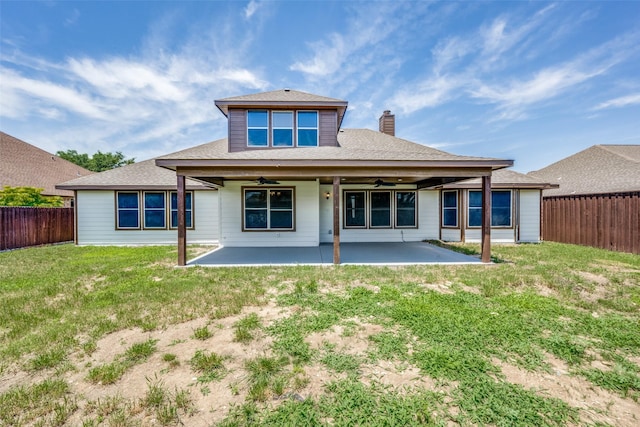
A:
x: 378, y: 182
x: 262, y: 180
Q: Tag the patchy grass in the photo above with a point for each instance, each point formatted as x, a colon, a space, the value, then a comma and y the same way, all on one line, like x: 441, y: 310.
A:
x: 416, y: 345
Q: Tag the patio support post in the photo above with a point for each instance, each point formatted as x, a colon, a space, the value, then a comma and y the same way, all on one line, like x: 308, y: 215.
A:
x: 182, y: 223
x: 336, y: 220
x: 486, y: 219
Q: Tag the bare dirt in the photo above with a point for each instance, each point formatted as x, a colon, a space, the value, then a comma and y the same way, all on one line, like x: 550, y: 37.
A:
x: 212, y: 401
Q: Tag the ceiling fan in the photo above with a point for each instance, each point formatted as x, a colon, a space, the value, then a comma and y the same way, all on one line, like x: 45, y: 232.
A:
x: 378, y: 182
x: 262, y: 181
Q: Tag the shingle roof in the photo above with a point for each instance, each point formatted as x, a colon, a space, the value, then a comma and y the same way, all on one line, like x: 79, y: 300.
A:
x: 354, y: 144
x: 504, y: 178
x: 598, y: 169
x: 143, y: 175
x: 24, y: 165
x: 282, y: 95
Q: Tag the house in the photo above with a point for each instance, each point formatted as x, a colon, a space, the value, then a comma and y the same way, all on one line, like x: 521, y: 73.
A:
x: 24, y: 165
x: 597, y: 200
x: 288, y: 174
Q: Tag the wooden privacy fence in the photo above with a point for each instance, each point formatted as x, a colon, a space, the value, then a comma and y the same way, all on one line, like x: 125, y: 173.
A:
x: 21, y: 227
x: 608, y: 221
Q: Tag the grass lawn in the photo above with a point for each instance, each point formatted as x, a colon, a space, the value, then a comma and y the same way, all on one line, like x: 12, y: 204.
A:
x: 115, y: 336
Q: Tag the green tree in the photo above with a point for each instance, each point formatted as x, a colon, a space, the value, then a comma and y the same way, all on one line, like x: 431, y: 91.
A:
x: 98, y: 162
x: 28, y: 196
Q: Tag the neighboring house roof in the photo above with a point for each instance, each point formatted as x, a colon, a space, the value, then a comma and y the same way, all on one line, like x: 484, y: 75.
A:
x: 143, y: 175
x: 504, y: 178
x: 598, y: 169
x: 24, y: 165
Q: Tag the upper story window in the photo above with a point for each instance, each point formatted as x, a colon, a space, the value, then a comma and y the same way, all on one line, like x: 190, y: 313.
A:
x: 282, y: 122
x: 307, y: 128
x: 257, y: 128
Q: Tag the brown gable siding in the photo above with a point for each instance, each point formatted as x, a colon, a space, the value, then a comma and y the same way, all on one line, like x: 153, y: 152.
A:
x: 327, y: 128
x: 237, y: 130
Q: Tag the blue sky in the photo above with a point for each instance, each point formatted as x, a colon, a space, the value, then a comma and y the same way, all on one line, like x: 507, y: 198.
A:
x: 529, y: 81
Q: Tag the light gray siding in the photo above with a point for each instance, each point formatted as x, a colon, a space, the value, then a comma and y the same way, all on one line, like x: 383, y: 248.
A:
x: 306, y: 217
x: 529, y: 215
x: 96, y: 221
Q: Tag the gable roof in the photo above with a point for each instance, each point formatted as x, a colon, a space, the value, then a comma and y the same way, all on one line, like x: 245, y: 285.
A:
x: 143, y: 175
x: 25, y: 165
x: 283, y: 98
x: 598, y: 169
x: 504, y: 178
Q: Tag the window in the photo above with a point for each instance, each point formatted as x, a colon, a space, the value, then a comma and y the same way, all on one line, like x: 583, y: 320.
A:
x: 188, y: 209
x: 127, y: 206
x: 154, y: 210
x: 282, y: 135
x: 268, y: 209
x: 354, y: 209
x: 380, y: 209
x: 257, y: 128
x: 449, y: 208
x: 500, y: 208
x: 406, y: 209
x: 307, y: 128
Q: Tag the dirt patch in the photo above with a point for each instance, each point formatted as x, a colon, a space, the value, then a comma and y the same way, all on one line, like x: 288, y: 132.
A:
x: 593, y: 278
x: 351, y: 342
x: 594, y: 403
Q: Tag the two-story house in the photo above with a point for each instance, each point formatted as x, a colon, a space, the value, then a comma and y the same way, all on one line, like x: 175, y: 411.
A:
x: 289, y: 175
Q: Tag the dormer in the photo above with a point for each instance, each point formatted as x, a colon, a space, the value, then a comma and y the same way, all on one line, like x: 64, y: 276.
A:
x: 282, y: 119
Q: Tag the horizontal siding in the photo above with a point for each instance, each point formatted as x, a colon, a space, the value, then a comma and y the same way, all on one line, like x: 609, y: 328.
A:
x: 328, y: 128
x: 306, y: 217
x: 498, y: 235
x: 96, y: 222
x: 450, y: 234
x: 237, y: 130
x: 529, y: 215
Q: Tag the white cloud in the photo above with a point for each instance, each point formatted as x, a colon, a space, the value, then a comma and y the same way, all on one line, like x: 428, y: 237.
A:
x: 428, y: 93
x: 623, y: 101
x: 251, y: 8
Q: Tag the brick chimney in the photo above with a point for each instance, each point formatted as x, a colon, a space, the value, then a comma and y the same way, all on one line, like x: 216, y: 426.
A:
x: 387, y: 123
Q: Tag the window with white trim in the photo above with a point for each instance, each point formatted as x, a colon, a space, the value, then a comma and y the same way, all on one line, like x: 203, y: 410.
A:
x: 282, y: 133
x: 450, y: 208
x: 128, y: 210
x: 307, y: 128
x: 268, y: 209
x: 188, y: 209
x: 155, y: 214
x: 257, y: 128
x: 500, y: 208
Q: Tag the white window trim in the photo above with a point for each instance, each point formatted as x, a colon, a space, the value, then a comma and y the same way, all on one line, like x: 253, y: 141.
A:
x: 274, y: 128
x: 316, y: 128
x: 258, y: 127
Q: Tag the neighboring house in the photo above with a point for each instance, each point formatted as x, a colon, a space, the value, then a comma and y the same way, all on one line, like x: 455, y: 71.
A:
x: 24, y: 165
x: 597, y: 202
x: 289, y: 175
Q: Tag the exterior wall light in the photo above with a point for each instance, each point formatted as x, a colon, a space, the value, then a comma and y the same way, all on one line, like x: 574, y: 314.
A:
x: 327, y: 195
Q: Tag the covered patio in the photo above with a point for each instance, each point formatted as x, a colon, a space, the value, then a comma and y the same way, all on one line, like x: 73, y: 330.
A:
x: 382, y: 254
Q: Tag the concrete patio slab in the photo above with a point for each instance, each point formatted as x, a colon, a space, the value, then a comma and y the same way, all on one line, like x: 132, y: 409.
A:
x: 406, y: 253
